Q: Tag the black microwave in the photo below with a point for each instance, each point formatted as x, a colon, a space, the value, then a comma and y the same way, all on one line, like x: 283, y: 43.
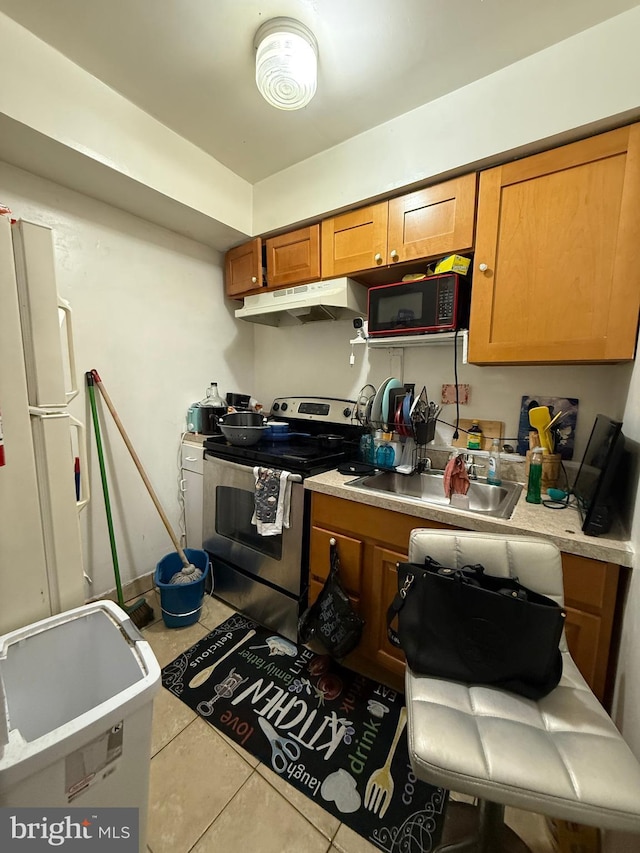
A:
x: 437, y: 303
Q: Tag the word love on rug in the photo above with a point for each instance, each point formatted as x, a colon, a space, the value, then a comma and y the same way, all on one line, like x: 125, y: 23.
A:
x: 336, y: 736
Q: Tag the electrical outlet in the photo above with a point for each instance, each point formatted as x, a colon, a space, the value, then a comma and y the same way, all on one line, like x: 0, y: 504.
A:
x: 449, y: 394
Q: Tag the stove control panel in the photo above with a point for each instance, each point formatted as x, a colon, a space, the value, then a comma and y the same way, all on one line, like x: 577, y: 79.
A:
x: 320, y: 409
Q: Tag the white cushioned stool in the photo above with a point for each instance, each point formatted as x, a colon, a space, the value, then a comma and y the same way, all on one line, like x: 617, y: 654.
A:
x: 560, y: 756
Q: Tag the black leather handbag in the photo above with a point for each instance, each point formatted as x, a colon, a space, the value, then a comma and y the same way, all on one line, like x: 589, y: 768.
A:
x: 465, y: 625
x: 331, y: 624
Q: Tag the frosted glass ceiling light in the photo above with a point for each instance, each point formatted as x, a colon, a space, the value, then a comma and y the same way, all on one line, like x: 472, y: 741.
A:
x: 286, y: 63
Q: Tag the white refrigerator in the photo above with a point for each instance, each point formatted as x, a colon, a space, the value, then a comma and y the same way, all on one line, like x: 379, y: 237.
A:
x: 41, y: 570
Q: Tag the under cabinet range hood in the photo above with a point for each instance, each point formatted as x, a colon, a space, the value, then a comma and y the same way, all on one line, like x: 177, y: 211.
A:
x: 336, y: 299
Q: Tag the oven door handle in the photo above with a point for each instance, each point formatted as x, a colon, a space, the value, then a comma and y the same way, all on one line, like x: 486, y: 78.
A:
x: 294, y: 478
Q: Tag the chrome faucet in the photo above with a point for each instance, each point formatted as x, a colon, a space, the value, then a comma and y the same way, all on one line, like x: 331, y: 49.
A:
x: 472, y: 466
x: 424, y: 464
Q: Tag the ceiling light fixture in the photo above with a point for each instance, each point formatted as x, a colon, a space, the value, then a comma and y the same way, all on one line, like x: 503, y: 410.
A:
x: 286, y: 63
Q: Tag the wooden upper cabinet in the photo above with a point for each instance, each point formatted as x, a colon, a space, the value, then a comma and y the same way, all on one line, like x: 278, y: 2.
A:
x: 243, y: 269
x: 435, y: 221
x: 294, y: 258
x: 556, y: 277
x: 355, y: 241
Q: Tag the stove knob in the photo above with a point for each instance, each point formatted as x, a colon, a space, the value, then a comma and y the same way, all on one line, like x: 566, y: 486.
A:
x: 284, y: 407
x: 276, y: 406
x: 346, y: 413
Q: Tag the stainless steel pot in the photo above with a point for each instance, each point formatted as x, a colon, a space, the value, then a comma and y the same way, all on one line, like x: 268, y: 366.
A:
x: 246, y: 435
x: 242, y: 419
x: 243, y: 427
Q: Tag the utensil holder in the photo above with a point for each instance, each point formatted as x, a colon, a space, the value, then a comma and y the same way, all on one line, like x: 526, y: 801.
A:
x: 425, y: 432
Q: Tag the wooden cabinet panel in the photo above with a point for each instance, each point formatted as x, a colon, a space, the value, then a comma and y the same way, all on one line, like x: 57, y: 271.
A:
x: 583, y: 633
x: 383, y: 586
x: 589, y: 584
x: 294, y: 258
x: 367, y: 522
x: 556, y: 235
x: 243, y: 269
x: 349, y: 552
x: 372, y: 540
x: 434, y: 221
x: 352, y: 241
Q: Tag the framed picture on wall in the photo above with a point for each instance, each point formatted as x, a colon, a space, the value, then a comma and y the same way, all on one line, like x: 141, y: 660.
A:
x: 566, y: 424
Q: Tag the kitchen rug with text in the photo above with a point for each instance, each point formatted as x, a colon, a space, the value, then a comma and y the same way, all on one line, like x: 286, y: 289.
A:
x: 337, y: 736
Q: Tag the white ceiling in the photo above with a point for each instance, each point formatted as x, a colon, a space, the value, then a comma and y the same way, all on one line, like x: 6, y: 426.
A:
x: 189, y: 63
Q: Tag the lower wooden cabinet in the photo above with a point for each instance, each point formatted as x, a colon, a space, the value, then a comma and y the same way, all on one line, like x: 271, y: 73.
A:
x: 372, y: 540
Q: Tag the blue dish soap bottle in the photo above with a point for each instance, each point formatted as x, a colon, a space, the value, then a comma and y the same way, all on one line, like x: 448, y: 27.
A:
x: 493, y: 475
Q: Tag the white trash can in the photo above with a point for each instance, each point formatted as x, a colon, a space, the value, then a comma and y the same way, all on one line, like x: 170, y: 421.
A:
x: 76, y: 705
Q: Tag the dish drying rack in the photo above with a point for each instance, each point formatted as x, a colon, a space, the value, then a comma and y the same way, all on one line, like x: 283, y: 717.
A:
x: 412, y: 418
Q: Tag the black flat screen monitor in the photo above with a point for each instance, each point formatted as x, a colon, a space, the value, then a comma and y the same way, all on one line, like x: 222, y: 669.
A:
x: 595, y: 487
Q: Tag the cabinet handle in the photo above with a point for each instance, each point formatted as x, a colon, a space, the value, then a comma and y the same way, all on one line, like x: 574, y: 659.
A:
x: 378, y: 258
x: 394, y: 255
x: 254, y: 280
x: 483, y: 267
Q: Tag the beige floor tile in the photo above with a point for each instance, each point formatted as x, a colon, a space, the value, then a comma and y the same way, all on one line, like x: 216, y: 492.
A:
x: 170, y: 717
x: 325, y: 822
x: 214, y: 612
x: 250, y: 759
x: 260, y: 820
x: 348, y: 841
x: 192, y: 779
x: 168, y: 643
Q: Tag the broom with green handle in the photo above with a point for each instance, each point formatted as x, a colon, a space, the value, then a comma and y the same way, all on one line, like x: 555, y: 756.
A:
x: 189, y: 572
x: 140, y: 613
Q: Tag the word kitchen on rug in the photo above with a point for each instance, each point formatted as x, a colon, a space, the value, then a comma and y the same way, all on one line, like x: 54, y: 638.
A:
x: 337, y: 736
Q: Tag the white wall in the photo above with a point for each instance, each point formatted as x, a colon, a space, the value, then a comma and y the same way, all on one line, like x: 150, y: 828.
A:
x: 151, y: 318
x: 314, y: 359
x: 579, y: 82
x: 60, y: 121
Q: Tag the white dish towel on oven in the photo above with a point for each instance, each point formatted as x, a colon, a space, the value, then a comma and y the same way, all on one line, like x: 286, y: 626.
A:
x: 272, y: 500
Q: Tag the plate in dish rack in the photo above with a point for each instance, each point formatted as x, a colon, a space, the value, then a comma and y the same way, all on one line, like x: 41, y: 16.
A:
x: 376, y: 408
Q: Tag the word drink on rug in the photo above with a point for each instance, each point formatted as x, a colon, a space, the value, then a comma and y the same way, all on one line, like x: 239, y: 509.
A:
x: 337, y: 736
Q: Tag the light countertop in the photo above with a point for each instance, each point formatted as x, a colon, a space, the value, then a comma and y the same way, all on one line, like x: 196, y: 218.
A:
x: 561, y: 526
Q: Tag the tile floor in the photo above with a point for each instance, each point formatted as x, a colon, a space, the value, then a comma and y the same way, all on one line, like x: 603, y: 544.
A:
x: 208, y: 794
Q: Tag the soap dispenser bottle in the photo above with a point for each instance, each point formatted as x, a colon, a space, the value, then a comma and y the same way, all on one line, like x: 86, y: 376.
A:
x: 493, y: 475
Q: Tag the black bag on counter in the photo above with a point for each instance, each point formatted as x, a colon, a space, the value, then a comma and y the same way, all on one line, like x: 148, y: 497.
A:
x: 465, y: 625
x: 331, y: 622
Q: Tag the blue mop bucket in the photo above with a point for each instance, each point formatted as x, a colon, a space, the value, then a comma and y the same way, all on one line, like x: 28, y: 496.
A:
x: 181, y: 603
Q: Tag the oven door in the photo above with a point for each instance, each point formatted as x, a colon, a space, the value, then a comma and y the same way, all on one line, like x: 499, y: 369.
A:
x: 228, y: 533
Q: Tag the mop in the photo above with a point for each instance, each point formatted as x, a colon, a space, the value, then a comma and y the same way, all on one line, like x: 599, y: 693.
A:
x: 141, y: 613
x: 189, y: 572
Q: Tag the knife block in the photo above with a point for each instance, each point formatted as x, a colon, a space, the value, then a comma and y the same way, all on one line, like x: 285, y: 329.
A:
x: 550, y: 469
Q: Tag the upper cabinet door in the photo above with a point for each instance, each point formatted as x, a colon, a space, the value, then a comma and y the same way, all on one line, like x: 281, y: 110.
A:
x: 243, y: 269
x: 556, y: 277
x: 435, y: 221
x: 355, y: 241
x: 294, y: 258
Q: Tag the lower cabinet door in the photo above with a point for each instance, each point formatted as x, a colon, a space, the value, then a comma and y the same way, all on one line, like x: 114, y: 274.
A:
x: 384, y: 585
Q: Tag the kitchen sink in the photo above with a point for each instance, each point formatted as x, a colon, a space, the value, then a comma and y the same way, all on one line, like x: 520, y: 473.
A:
x: 484, y: 498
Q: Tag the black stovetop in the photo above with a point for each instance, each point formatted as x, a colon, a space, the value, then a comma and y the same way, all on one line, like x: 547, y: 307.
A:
x: 299, y: 455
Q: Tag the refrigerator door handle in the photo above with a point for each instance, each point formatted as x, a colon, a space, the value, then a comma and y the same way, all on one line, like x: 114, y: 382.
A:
x: 84, y: 463
x: 74, y: 391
